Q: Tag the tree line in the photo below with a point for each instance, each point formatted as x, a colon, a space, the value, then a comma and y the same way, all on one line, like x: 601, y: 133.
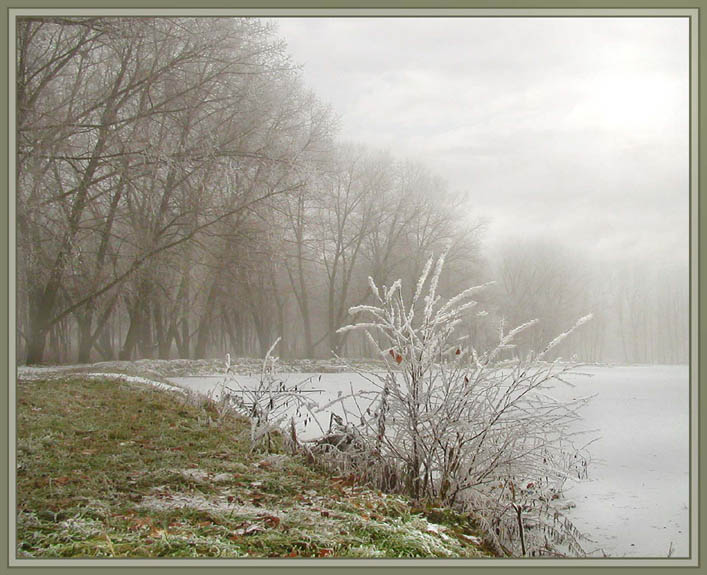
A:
x: 180, y: 193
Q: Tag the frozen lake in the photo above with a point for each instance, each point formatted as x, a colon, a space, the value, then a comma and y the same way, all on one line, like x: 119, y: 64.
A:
x: 635, y: 502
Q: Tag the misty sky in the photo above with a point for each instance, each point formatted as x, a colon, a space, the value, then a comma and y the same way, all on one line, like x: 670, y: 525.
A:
x: 572, y: 129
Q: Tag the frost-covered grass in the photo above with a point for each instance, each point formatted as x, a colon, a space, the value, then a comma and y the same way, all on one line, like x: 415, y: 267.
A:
x: 112, y: 467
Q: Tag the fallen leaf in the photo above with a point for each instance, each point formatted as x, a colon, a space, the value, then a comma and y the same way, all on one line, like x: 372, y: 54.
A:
x: 139, y: 523
x: 271, y: 521
x: 325, y: 552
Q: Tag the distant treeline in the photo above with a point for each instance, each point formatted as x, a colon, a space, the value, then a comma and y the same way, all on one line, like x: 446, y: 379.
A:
x: 181, y: 194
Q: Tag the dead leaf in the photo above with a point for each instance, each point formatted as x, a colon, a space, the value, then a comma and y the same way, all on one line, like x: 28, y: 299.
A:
x: 324, y: 552
x: 139, y: 523
x: 271, y: 521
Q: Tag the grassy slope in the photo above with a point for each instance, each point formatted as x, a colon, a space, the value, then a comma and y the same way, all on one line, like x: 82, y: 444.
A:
x: 108, y: 468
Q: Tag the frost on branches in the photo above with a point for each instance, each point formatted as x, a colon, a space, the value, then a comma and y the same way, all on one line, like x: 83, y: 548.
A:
x: 269, y: 405
x: 465, y: 429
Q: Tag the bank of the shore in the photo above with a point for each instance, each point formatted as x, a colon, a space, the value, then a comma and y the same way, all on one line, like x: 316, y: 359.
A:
x: 115, y: 467
x: 162, y: 368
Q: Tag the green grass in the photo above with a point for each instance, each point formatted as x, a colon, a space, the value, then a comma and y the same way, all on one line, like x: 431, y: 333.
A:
x: 107, y: 468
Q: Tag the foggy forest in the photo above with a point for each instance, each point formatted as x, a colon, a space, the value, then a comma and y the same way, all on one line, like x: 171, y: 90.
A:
x: 182, y: 194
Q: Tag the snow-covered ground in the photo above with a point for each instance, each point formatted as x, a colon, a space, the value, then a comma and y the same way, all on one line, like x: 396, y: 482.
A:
x: 635, y: 502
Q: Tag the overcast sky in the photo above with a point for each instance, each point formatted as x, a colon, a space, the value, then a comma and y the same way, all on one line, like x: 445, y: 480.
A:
x: 572, y: 129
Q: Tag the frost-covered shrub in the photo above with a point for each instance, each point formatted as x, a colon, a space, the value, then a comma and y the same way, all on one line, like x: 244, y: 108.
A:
x: 268, y: 405
x: 461, y: 427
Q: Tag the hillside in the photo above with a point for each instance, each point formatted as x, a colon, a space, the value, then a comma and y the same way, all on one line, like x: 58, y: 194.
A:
x: 111, y: 467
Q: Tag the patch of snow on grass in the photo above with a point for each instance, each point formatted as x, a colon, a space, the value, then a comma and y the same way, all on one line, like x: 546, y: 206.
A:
x: 136, y: 380
x: 202, y: 476
x: 438, y: 530
x: 201, y: 503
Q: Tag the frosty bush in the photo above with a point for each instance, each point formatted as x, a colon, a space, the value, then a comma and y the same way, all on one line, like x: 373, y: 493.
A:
x: 465, y: 429
x: 269, y: 404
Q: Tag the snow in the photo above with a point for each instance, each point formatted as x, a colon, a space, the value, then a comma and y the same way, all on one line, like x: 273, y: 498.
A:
x: 220, y: 504
x: 34, y: 373
x: 135, y: 380
x: 437, y: 530
x: 635, y: 502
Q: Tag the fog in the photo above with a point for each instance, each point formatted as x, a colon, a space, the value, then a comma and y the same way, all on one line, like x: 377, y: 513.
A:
x: 574, y: 128
x: 208, y: 192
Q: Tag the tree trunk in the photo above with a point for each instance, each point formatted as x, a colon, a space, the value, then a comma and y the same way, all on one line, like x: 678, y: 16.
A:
x: 184, y: 343
x: 205, y: 324
x: 38, y: 328
x: 85, y: 321
x: 130, y: 339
